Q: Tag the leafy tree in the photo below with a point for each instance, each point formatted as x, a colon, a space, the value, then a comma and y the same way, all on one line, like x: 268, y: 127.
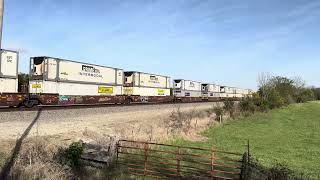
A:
x: 275, y: 99
x: 316, y: 92
x: 305, y: 95
x: 283, y: 87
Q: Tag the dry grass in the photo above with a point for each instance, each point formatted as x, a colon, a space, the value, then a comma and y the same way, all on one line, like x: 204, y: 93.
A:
x: 36, y: 160
x: 178, y: 123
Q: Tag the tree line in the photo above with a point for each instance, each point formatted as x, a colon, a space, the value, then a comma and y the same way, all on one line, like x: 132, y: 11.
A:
x: 277, y: 91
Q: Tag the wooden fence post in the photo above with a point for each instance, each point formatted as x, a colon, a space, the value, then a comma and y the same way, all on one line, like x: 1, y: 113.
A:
x: 145, y: 159
x: 178, y: 157
x: 118, y: 144
x: 212, y: 163
x: 248, y: 151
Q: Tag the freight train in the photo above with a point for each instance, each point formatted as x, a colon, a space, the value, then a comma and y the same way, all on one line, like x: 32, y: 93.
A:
x: 56, y: 81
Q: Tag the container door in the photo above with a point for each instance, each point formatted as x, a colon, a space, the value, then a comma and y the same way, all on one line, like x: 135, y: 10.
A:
x: 9, y: 64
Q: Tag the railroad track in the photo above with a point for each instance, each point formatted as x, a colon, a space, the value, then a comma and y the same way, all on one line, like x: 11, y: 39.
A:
x: 37, y: 108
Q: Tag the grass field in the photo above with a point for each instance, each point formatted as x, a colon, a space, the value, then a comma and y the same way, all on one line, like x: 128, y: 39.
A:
x: 289, y: 135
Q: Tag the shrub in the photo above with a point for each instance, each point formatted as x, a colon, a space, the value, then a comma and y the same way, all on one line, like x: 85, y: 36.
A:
x: 247, y: 106
x: 229, y: 107
x: 37, y: 160
x: 254, y: 170
x: 71, y: 155
x: 261, y: 105
x: 181, y: 121
x: 279, y: 91
x: 316, y: 92
x: 280, y: 172
x: 305, y: 95
x: 219, y: 112
x: 275, y: 100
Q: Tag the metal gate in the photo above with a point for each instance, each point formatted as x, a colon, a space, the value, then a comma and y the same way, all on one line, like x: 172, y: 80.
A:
x: 177, y: 162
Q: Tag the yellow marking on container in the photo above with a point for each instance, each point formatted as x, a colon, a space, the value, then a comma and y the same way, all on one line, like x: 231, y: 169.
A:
x: 105, y: 90
x: 161, y: 91
x: 36, y: 86
x: 127, y: 90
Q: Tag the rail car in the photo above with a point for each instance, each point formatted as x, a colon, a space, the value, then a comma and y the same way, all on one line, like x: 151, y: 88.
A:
x: 56, y: 81
x: 145, y: 87
x: 187, y: 90
x: 211, y: 92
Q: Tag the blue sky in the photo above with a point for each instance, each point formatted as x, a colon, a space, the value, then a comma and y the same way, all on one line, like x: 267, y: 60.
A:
x: 222, y: 41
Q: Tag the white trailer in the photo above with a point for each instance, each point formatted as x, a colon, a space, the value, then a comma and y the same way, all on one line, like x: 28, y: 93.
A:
x: 9, y: 61
x: 64, y: 77
x: 146, y: 84
x: 186, y: 88
x: 210, y: 90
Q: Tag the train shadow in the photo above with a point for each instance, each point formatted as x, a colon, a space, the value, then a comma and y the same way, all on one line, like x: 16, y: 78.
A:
x: 16, y: 150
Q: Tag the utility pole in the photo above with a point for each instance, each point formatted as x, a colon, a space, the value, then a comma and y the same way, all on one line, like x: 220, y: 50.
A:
x: 1, y: 20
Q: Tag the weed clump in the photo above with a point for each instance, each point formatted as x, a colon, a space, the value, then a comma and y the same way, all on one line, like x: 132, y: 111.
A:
x: 36, y: 160
x: 71, y: 155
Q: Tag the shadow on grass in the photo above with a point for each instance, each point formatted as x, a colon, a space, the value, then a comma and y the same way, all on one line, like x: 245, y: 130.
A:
x: 15, y: 152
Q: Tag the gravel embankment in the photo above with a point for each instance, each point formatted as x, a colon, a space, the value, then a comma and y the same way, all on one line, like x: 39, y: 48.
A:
x: 72, y: 123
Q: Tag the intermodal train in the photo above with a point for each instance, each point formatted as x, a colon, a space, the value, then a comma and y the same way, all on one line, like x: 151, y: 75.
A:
x: 56, y: 81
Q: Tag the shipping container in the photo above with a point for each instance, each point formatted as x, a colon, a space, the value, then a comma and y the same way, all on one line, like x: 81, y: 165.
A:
x: 210, y: 90
x: 187, y: 85
x: 186, y: 88
x: 140, y: 79
x: 146, y: 84
x: 65, y: 88
x: 9, y: 61
x: 8, y: 85
x: 229, y: 90
x: 145, y: 91
x: 65, y: 77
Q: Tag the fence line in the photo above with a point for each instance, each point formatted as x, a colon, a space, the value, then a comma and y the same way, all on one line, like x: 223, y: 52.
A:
x: 179, y: 162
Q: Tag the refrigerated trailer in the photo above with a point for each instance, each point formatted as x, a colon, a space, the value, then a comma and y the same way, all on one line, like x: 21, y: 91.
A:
x: 210, y: 92
x: 9, y: 95
x: 9, y: 61
x: 187, y: 90
x: 75, y: 82
x: 146, y: 87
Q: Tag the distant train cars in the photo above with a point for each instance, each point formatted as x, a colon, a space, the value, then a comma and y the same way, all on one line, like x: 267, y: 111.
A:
x: 193, y: 91
x: 55, y: 81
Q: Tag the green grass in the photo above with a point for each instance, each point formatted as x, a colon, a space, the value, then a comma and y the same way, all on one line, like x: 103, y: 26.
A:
x: 289, y: 135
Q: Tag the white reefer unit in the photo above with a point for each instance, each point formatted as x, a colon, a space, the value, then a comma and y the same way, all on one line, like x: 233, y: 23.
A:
x: 186, y: 88
x: 65, y: 77
x: 146, y: 84
x: 210, y: 90
x: 9, y: 61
